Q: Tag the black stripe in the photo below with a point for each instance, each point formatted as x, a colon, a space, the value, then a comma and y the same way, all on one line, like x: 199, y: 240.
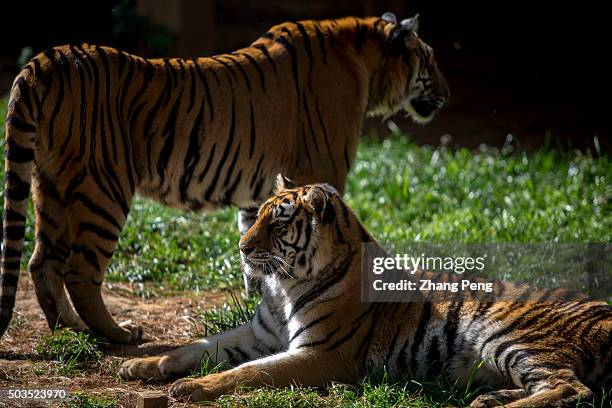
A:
x: 334, y: 276
x: 265, y: 52
x: 309, y: 325
x: 347, y: 162
x: 45, y: 217
x: 294, y: 65
x: 260, y: 72
x: 24, y: 95
x: 192, y: 156
x: 253, y: 132
x: 18, y: 154
x: 89, y: 255
x: 170, y: 80
x: 104, y: 252
x: 257, y: 169
x: 50, y: 54
x: 229, y: 193
x: 96, y: 209
x: 82, y: 60
x: 192, y: 88
x: 146, y: 79
x: 355, y: 326
x: 11, y: 266
x: 19, y: 124
x: 231, y: 355
x: 10, y: 280
x: 83, y: 104
x: 263, y: 324
x: 206, y: 89
x: 230, y: 169
x: 119, y: 110
x: 420, y: 335
x: 308, y: 48
x: 521, y: 322
x: 309, y: 120
x: 228, y: 146
x: 153, y: 113
x: 321, y: 42
x: 11, y: 253
x: 391, y: 349
x: 170, y: 135
x: 364, y: 346
x: 324, y: 340
x: 242, y: 71
x: 227, y: 66
x: 96, y: 176
x: 181, y: 68
x: 325, y: 135
x: 360, y: 37
x: 434, y: 361
x: 107, y: 84
x: 243, y: 355
x: 208, y: 162
x: 258, y: 188
x: 450, y: 328
x: 64, y: 146
x: 14, y: 232
x: 73, y: 184
x: 306, y: 146
x: 97, y: 230
x: 18, y: 190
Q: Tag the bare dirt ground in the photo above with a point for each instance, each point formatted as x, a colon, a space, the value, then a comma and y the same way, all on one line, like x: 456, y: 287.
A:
x: 168, y: 321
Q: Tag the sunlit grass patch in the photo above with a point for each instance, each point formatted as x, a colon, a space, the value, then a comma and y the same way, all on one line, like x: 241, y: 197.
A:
x: 70, y: 349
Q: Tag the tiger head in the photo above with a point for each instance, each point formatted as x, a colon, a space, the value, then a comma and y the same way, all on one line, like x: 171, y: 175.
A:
x: 408, y: 77
x: 296, y: 232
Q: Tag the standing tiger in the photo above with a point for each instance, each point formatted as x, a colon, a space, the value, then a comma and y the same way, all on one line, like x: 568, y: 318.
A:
x: 311, y: 327
x: 88, y: 127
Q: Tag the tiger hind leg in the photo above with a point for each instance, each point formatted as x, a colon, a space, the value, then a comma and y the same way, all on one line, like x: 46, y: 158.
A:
x: 46, y: 266
x: 94, y: 228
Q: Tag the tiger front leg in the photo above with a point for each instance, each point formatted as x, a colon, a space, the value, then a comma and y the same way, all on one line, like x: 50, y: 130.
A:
x: 233, y: 346
x: 294, y: 367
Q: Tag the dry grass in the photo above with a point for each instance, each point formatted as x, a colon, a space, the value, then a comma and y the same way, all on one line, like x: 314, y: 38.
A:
x: 168, y: 321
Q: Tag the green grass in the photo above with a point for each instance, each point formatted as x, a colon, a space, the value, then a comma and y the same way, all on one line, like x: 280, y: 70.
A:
x: 69, y: 349
x: 82, y: 400
x: 402, y: 193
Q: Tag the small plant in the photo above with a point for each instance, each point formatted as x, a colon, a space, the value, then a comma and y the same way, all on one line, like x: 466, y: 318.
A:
x: 82, y: 400
x: 239, y: 311
x: 207, y: 366
x: 69, y: 349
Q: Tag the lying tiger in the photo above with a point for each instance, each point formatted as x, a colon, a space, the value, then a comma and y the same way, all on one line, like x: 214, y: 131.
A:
x: 311, y: 327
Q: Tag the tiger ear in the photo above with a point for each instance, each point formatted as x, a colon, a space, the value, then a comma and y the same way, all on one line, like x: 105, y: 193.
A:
x: 318, y: 201
x: 401, y: 31
x: 283, y: 183
x: 389, y: 17
x: 411, y: 24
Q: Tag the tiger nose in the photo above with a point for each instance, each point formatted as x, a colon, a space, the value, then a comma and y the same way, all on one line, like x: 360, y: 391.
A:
x: 245, y: 248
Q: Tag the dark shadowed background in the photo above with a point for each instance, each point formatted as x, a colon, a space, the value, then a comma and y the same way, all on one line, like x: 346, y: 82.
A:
x: 537, y: 71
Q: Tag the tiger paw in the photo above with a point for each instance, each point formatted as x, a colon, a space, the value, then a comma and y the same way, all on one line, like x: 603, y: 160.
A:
x: 201, y: 389
x: 146, y: 369
x: 134, y: 332
x: 497, y: 398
